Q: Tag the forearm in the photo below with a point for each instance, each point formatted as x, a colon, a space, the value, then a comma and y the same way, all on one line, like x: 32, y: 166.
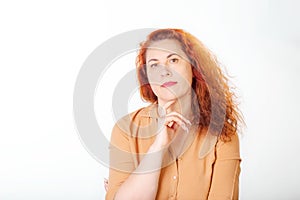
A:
x: 143, y: 182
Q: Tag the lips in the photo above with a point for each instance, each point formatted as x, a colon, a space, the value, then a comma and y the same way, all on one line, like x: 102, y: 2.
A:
x: 169, y: 84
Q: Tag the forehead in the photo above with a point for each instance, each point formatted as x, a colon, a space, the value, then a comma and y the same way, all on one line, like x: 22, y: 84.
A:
x: 163, y: 47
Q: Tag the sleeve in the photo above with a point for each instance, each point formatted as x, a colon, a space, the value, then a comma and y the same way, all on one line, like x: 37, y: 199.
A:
x: 121, y: 160
x: 226, y: 171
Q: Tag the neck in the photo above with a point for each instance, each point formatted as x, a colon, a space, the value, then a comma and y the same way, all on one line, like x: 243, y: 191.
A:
x: 182, y: 105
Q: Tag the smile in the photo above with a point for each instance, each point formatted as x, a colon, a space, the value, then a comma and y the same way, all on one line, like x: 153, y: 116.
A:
x: 169, y: 84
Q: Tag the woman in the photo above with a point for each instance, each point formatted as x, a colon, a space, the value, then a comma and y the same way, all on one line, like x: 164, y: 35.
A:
x: 184, y: 145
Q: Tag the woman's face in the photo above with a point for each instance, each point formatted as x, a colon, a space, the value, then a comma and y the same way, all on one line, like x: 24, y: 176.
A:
x: 168, y: 69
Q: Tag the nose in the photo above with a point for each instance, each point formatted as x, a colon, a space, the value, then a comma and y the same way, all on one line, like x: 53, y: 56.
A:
x: 165, y: 71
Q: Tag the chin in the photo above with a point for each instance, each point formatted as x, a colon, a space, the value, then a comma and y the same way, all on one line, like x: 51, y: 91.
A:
x: 168, y: 97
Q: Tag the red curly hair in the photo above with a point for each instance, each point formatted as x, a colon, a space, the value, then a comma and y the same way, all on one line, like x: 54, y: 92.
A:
x: 212, y: 95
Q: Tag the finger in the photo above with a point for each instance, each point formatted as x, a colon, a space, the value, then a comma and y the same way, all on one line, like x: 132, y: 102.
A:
x: 163, y: 109
x: 175, y: 126
x: 170, y: 124
x: 180, y: 116
x: 168, y: 104
x: 177, y: 120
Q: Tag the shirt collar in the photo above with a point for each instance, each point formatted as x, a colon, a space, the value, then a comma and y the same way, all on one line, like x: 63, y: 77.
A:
x: 150, y: 111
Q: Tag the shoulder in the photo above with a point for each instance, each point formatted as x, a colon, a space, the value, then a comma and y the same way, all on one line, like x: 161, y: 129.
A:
x: 131, y: 121
x: 137, y: 115
x: 229, y: 149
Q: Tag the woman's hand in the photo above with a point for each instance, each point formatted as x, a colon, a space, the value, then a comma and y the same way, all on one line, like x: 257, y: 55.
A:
x: 172, y: 122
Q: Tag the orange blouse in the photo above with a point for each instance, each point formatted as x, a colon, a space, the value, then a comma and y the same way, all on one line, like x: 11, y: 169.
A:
x: 208, y: 169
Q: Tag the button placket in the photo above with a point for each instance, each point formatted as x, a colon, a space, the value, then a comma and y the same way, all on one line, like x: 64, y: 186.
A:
x: 174, y: 181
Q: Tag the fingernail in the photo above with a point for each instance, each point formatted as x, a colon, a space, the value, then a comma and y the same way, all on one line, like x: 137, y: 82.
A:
x: 185, y: 128
x: 189, y: 122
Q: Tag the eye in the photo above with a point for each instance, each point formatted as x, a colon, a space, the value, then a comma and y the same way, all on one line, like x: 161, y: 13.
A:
x: 173, y: 60
x: 153, y: 65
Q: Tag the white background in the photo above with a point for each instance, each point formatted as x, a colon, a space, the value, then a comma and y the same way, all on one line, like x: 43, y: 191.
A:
x: 44, y: 43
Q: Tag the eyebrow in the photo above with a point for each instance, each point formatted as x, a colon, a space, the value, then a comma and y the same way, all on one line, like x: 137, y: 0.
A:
x: 172, y: 54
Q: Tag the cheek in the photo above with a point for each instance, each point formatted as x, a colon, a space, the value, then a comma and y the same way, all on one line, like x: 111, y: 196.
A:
x: 190, y: 78
x: 155, y: 88
x: 152, y: 76
x: 187, y: 75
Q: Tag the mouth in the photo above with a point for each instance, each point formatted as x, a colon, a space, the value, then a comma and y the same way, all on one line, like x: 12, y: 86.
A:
x: 169, y: 84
